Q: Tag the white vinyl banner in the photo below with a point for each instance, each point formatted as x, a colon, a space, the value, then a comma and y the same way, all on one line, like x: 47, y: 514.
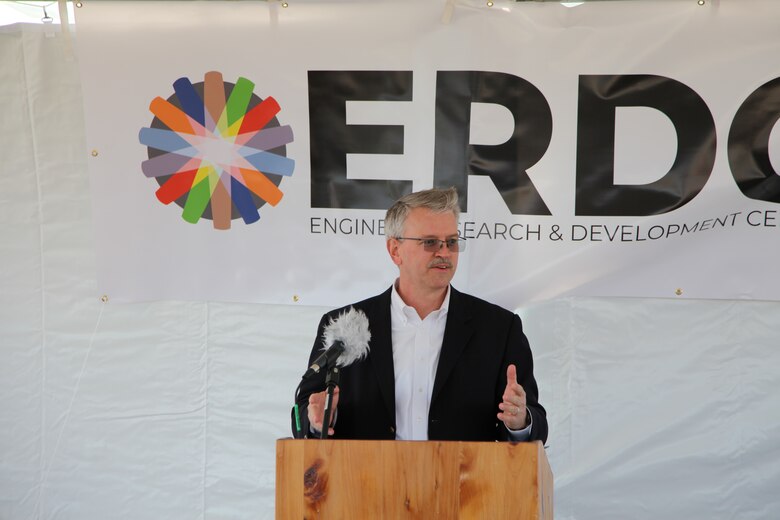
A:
x: 247, y: 151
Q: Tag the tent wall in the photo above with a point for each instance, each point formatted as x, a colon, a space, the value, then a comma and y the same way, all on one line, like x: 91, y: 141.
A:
x: 658, y: 408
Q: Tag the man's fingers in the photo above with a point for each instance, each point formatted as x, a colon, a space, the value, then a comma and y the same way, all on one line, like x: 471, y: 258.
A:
x: 512, y: 408
x: 316, y: 409
x: 518, y: 397
x: 334, y: 403
x: 514, y: 394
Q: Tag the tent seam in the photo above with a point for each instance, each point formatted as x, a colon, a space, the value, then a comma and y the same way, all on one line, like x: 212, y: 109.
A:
x: 73, y: 396
x: 34, y: 142
x: 205, y: 406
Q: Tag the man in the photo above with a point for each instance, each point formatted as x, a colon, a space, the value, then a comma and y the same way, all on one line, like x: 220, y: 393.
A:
x: 442, y: 364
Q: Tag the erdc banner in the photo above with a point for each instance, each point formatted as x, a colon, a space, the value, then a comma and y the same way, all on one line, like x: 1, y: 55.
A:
x: 247, y: 151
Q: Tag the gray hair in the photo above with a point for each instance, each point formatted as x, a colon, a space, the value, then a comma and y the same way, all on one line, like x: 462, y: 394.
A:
x: 436, y: 200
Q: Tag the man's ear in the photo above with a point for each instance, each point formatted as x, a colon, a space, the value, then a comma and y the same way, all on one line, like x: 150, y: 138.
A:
x: 392, y: 248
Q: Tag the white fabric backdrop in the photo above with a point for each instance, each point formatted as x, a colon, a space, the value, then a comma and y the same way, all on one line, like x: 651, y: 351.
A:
x: 169, y: 410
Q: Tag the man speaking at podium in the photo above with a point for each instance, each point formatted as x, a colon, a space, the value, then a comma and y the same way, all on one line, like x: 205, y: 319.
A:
x: 441, y: 364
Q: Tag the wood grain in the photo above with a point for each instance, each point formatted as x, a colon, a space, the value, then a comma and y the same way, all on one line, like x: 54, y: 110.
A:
x: 336, y: 479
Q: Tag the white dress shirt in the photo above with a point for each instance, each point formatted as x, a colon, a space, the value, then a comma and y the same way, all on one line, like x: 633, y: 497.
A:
x: 416, y: 349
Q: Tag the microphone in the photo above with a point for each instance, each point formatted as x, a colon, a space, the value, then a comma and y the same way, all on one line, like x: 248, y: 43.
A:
x: 346, y: 341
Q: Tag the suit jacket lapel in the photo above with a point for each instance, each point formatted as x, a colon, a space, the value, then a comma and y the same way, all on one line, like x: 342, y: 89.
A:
x: 381, y: 353
x: 457, y: 334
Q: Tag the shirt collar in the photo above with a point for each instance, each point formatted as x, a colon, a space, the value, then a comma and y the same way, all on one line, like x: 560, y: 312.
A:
x: 399, y: 308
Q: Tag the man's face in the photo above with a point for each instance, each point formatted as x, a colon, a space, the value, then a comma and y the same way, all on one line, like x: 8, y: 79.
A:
x: 421, y: 269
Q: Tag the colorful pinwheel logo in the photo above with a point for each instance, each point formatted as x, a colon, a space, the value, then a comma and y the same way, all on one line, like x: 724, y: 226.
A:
x: 217, y: 150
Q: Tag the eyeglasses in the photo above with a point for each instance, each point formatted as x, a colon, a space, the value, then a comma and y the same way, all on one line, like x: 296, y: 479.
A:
x: 434, y: 245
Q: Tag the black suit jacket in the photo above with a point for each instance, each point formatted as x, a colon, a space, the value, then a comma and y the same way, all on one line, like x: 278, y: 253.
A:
x: 480, y: 340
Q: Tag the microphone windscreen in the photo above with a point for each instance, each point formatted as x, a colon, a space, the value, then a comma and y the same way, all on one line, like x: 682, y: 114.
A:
x: 350, y: 327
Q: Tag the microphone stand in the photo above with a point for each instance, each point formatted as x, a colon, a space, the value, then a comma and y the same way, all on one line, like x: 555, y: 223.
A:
x: 331, y: 382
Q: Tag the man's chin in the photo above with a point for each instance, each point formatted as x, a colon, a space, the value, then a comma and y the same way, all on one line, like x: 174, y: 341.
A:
x: 442, y: 277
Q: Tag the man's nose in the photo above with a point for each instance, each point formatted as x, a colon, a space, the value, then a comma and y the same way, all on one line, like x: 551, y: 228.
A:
x: 443, y: 250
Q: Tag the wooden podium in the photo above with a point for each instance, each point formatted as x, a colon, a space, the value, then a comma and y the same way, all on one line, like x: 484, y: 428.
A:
x: 365, y: 480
